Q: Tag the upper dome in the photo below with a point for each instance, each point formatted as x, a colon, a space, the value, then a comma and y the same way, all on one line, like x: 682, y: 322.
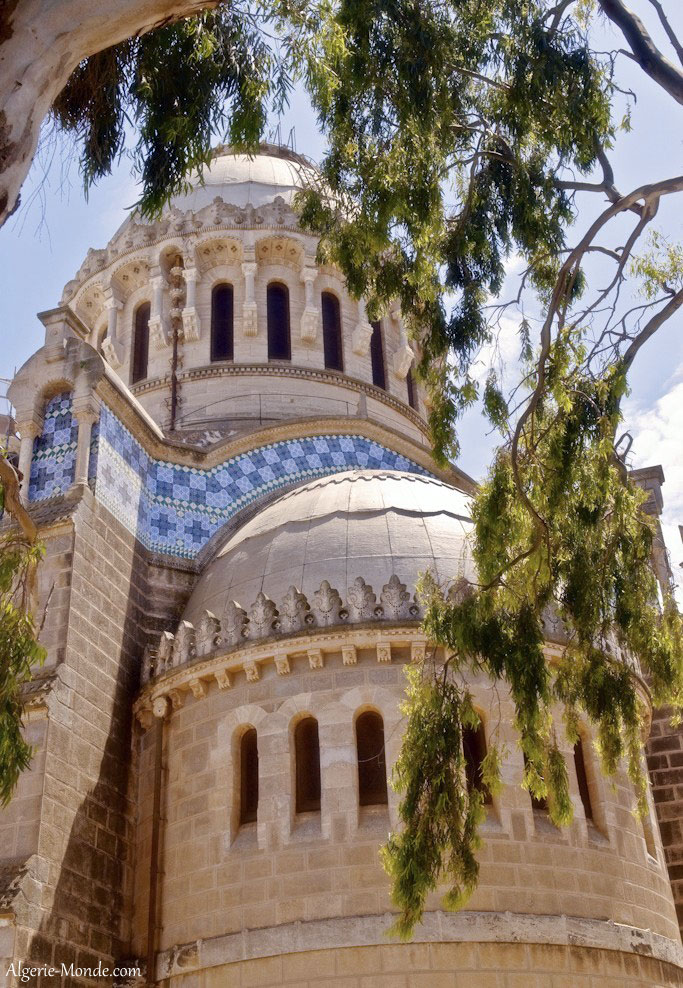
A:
x: 255, y: 180
x: 363, y: 523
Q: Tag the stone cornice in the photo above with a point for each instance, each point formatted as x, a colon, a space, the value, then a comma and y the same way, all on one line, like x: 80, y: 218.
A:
x: 282, y: 370
x: 437, y: 926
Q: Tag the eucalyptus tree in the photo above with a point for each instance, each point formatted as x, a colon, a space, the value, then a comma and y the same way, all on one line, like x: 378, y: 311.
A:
x: 460, y: 133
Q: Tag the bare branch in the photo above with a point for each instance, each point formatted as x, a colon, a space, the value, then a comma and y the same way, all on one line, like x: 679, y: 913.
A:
x: 651, y: 327
x: 670, y: 33
x: 645, y: 52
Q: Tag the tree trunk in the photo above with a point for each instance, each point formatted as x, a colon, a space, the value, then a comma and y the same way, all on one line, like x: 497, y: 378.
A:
x: 41, y: 43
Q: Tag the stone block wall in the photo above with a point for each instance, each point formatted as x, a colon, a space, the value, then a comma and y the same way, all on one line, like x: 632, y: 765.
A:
x: 665, y: 762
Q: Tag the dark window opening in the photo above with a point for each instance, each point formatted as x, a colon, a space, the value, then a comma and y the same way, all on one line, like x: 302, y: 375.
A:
x: 222, y: 323
x: 474, y: 750
x: 377, y: 356
x: 582, y: 778
x: 140, y: 343
x: 332, y: 335
x: 410, y: 384
x: 307, y: 754
x: 248, y: 777
x: 537, y: 804
x: 372, y: 766
x: 279, y: 342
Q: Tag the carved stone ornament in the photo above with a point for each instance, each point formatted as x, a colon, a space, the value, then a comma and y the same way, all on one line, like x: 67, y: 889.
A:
x: 184, y: 645
x: 234, y: 623
x: 360, y: 338
x: 222, y: 677
x: 315, y: 658
x: 349, y: 655
x: 249, y: 319
x: 361, y: 600
x: 327, y: 605
x: 165, y: 652
x: 282, y: 664
x: 262, y: 617
x: 111, y: 353
x: 384, y: 651
x: 309, y: 326
x: 191, y: 326
x: 403, y: 360
x: 395, y: 599
x: 251, y: 671
x: 208, y: 634
x: 417, y: 651
x: 294, y: 610
x: 157, y: 333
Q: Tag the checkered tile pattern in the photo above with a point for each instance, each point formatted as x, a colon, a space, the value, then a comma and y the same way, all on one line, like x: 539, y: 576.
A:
x: 175, y: 509
x: 54, y: 451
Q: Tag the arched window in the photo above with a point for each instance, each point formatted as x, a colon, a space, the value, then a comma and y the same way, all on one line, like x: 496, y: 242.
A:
x: 582, y: 779
x: 410, y: 384
x: 372, y: 766
x: 332, y: 335
x: 248, y: 776
x: 279, y: 343
x: 538, y: 804
x: 474, y: 750
x: 307, y: 755
x: 377, y: 356
x: 140, y: 343
x: 221, y: 323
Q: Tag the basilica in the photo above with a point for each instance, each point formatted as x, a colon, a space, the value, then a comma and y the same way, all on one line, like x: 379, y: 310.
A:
x: 230, y: 468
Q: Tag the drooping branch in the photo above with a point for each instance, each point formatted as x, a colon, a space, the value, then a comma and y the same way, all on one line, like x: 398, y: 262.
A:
x: 13, y: 503
x: 647, y: 55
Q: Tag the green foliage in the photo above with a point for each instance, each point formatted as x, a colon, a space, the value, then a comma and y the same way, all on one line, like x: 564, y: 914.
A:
x: 19, y: 651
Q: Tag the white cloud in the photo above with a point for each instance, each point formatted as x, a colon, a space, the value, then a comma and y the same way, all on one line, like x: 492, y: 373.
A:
x: 658, y: 438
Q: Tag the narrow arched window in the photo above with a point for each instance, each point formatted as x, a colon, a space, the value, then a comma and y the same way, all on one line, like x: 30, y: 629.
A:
x: 410, y: 384
x: 582, y: 779
x: 537, y: 804
x: 248, y: 776
x: 332, y: 335
x: 222, y: 323
x: 140, y: 343
x: 307, y: 755
x: 279, y: 343
x: 372, y: 766
x: 377, y: 356
x: 474, y: 750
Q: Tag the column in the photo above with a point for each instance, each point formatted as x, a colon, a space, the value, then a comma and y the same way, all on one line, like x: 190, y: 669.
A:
x: 156, y: 324
x: 191, y: 325
x: 249, y: 318
x: 309, y: 318
x: 28, y: 430
x: 86, y: 415
x: 110, y: 345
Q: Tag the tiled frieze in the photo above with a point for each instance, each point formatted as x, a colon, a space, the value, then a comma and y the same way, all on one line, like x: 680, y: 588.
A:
x: 54, y: 450
x: 175, y: 509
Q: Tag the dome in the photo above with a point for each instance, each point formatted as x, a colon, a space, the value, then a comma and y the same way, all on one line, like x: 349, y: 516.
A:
x: 359, y: 523
x: 242, y: 179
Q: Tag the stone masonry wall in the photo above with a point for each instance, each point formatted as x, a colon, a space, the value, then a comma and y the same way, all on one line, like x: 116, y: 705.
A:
x: 665, y: 762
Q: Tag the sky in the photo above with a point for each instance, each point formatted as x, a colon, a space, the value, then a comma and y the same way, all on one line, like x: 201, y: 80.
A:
x: 43, y: 245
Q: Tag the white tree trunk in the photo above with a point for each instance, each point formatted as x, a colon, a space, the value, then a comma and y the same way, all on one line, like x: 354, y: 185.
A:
x: 41, y: 43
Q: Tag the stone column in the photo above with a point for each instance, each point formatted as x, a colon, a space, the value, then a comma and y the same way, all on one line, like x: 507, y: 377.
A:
x: 28, y: 429
x: 110, y: 345
x: 249, y: 317
x: 191, y: 324
x: 157, y: 333
x: 86, y: 413
x: 309, y: 318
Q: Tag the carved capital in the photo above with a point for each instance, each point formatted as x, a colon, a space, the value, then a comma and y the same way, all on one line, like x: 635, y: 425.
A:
x: 360, y: 338
x: 160, y: 707
x: 315, y: 658
x: 222, y: 677
x: 249, y: 319
x: 191, y: 325
x: 403, y: 359
x: 157, y: 332
x: 349, y: 656
x: 384, y: 651
x: 309, y: 325
x: 113, y: 353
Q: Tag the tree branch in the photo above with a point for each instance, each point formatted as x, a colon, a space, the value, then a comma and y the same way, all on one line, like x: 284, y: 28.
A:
x: 645, y: 52
x: 13, y: 502
x: 670, y: 33
x: 651, y: 327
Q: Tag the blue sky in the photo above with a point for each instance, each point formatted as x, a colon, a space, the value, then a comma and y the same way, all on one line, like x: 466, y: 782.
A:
x: 43, y: 245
